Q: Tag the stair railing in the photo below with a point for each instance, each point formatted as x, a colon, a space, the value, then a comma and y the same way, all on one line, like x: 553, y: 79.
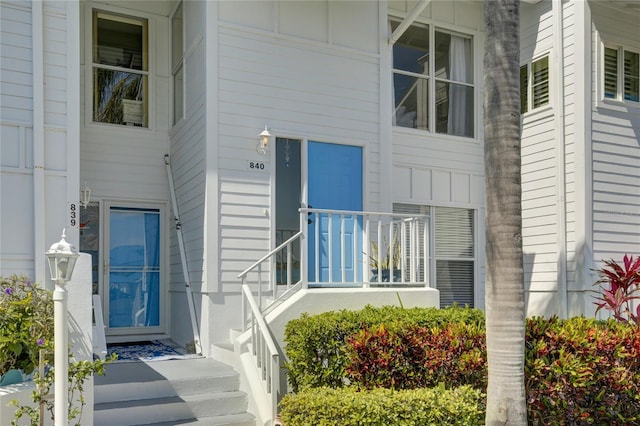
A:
x: 263, y: 349
x: 270, y: 257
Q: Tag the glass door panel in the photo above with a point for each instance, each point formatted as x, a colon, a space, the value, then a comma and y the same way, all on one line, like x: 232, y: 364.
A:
x: 134, y: 268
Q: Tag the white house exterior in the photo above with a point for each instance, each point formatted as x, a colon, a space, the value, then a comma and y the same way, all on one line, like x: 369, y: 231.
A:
x: 398, y: 84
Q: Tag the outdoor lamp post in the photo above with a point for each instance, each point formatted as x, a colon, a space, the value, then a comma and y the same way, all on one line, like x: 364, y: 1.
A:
x: 62, y: 258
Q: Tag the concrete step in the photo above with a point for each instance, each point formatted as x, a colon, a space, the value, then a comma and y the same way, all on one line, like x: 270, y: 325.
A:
x: 189, y: 391
x: 244, y: 419
x: 128, y: 381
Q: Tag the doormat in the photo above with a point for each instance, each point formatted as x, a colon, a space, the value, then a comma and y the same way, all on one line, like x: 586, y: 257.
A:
x: 154, y: 350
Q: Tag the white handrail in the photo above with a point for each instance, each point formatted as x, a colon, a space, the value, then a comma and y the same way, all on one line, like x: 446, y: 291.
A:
x: 268, y: 255
x: 264, y: 350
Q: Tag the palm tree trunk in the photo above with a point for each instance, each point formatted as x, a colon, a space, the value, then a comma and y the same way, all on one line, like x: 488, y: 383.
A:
x: 504, y: 299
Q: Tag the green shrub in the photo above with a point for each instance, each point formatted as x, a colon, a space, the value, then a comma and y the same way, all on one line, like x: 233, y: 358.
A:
x: 578, y: 371
x: 413, y: 357
x: 26, y: 323
x: 348, y: 407
x: 315, y: 345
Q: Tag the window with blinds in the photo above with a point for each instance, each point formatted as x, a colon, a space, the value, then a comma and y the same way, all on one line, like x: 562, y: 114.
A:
x: 534, y: 84
x: 621, y: 74
x: 452, y: 234
x: 455, y: 255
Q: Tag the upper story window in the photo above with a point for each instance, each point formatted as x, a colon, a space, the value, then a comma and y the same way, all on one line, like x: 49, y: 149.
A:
x: 534, y: 84
x: 177, y: 64
x: 120, y: 70
x: 433, y: 80
x: 621, y: 74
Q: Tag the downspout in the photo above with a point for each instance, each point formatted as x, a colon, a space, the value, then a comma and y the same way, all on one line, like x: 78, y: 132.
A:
x: 39, y: 205
x: 73, y: 118
x: 385, y: 137
x: 561, y: 210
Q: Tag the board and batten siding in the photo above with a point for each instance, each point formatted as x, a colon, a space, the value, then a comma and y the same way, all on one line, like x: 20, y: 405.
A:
x: 300, y: 70
x: 36, y: 151
x: 615, y: 146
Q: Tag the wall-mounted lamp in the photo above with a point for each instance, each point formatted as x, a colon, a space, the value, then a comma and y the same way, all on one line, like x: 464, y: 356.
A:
x: 85, y: 196
x: 263, y: 141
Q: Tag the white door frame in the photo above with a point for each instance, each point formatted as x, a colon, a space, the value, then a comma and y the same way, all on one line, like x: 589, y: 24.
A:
x: 106, y: 206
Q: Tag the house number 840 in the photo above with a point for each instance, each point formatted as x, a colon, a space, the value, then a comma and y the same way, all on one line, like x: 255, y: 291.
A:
x: 256, y: 166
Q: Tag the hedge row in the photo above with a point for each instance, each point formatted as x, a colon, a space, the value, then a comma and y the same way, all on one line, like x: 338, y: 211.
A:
x: 382, y: 407
x: 315, y: 345
x: 577, y: 371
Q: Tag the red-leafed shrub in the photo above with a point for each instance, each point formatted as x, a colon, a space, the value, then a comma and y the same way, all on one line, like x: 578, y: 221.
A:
x: 580, y: 371
x: 413, y: 357
x: 619, y: 287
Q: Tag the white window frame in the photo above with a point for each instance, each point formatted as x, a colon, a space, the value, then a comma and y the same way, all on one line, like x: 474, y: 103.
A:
x: 178, y: 67
x: 530, y: 107
x: 89, y: 67
x: 432, y: 79
x: 619, y: 96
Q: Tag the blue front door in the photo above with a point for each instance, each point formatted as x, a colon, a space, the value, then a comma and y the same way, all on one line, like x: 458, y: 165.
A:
x: 335, y: 183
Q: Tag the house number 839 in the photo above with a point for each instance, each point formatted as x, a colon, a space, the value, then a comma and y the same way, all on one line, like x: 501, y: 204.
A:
x: 73, y: 214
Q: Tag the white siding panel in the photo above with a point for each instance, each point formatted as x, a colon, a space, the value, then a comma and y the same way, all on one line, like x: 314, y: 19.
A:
x: 55, y: 150
x: 344, y: 14
x: 420, y: 149
x: 402, y: 181
x: 307, y: 20
x: 11, y: 147
x: 254, y: 14
x: 15, y: 62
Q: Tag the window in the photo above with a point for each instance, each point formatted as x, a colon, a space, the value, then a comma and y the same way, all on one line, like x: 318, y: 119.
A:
x: 120, y: 70
x: 621, y: 74
x: 452, y: 233
x: 433, y: 80
x: 534, y: 84
x: 177, y: 62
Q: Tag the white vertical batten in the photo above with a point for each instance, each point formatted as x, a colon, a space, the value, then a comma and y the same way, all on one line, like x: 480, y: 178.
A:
x: 582, y: 147
x: 385, y: 138
x: 39, y: 204
x: 73, y: 117
x: 211, y: 229
x: 558, y: 104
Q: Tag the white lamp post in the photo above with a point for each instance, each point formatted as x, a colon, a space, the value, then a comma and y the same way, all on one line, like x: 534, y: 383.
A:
x: 62, y: 258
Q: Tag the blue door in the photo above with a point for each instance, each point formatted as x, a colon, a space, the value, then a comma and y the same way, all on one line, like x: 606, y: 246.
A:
x: 335, y: 183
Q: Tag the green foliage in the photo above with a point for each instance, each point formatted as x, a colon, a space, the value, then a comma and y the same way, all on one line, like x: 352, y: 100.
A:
x: 382, y: 407
x: 412, y: 357
x: 79, y: 371
x: 316, y: 345
x: 26, y: 323
x: 582, y: 371
x: 26, y: 332
x: 619, y: 287
x: 578, y: 371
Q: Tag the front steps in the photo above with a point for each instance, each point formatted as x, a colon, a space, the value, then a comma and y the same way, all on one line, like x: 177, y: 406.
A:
x: 197, y: 391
